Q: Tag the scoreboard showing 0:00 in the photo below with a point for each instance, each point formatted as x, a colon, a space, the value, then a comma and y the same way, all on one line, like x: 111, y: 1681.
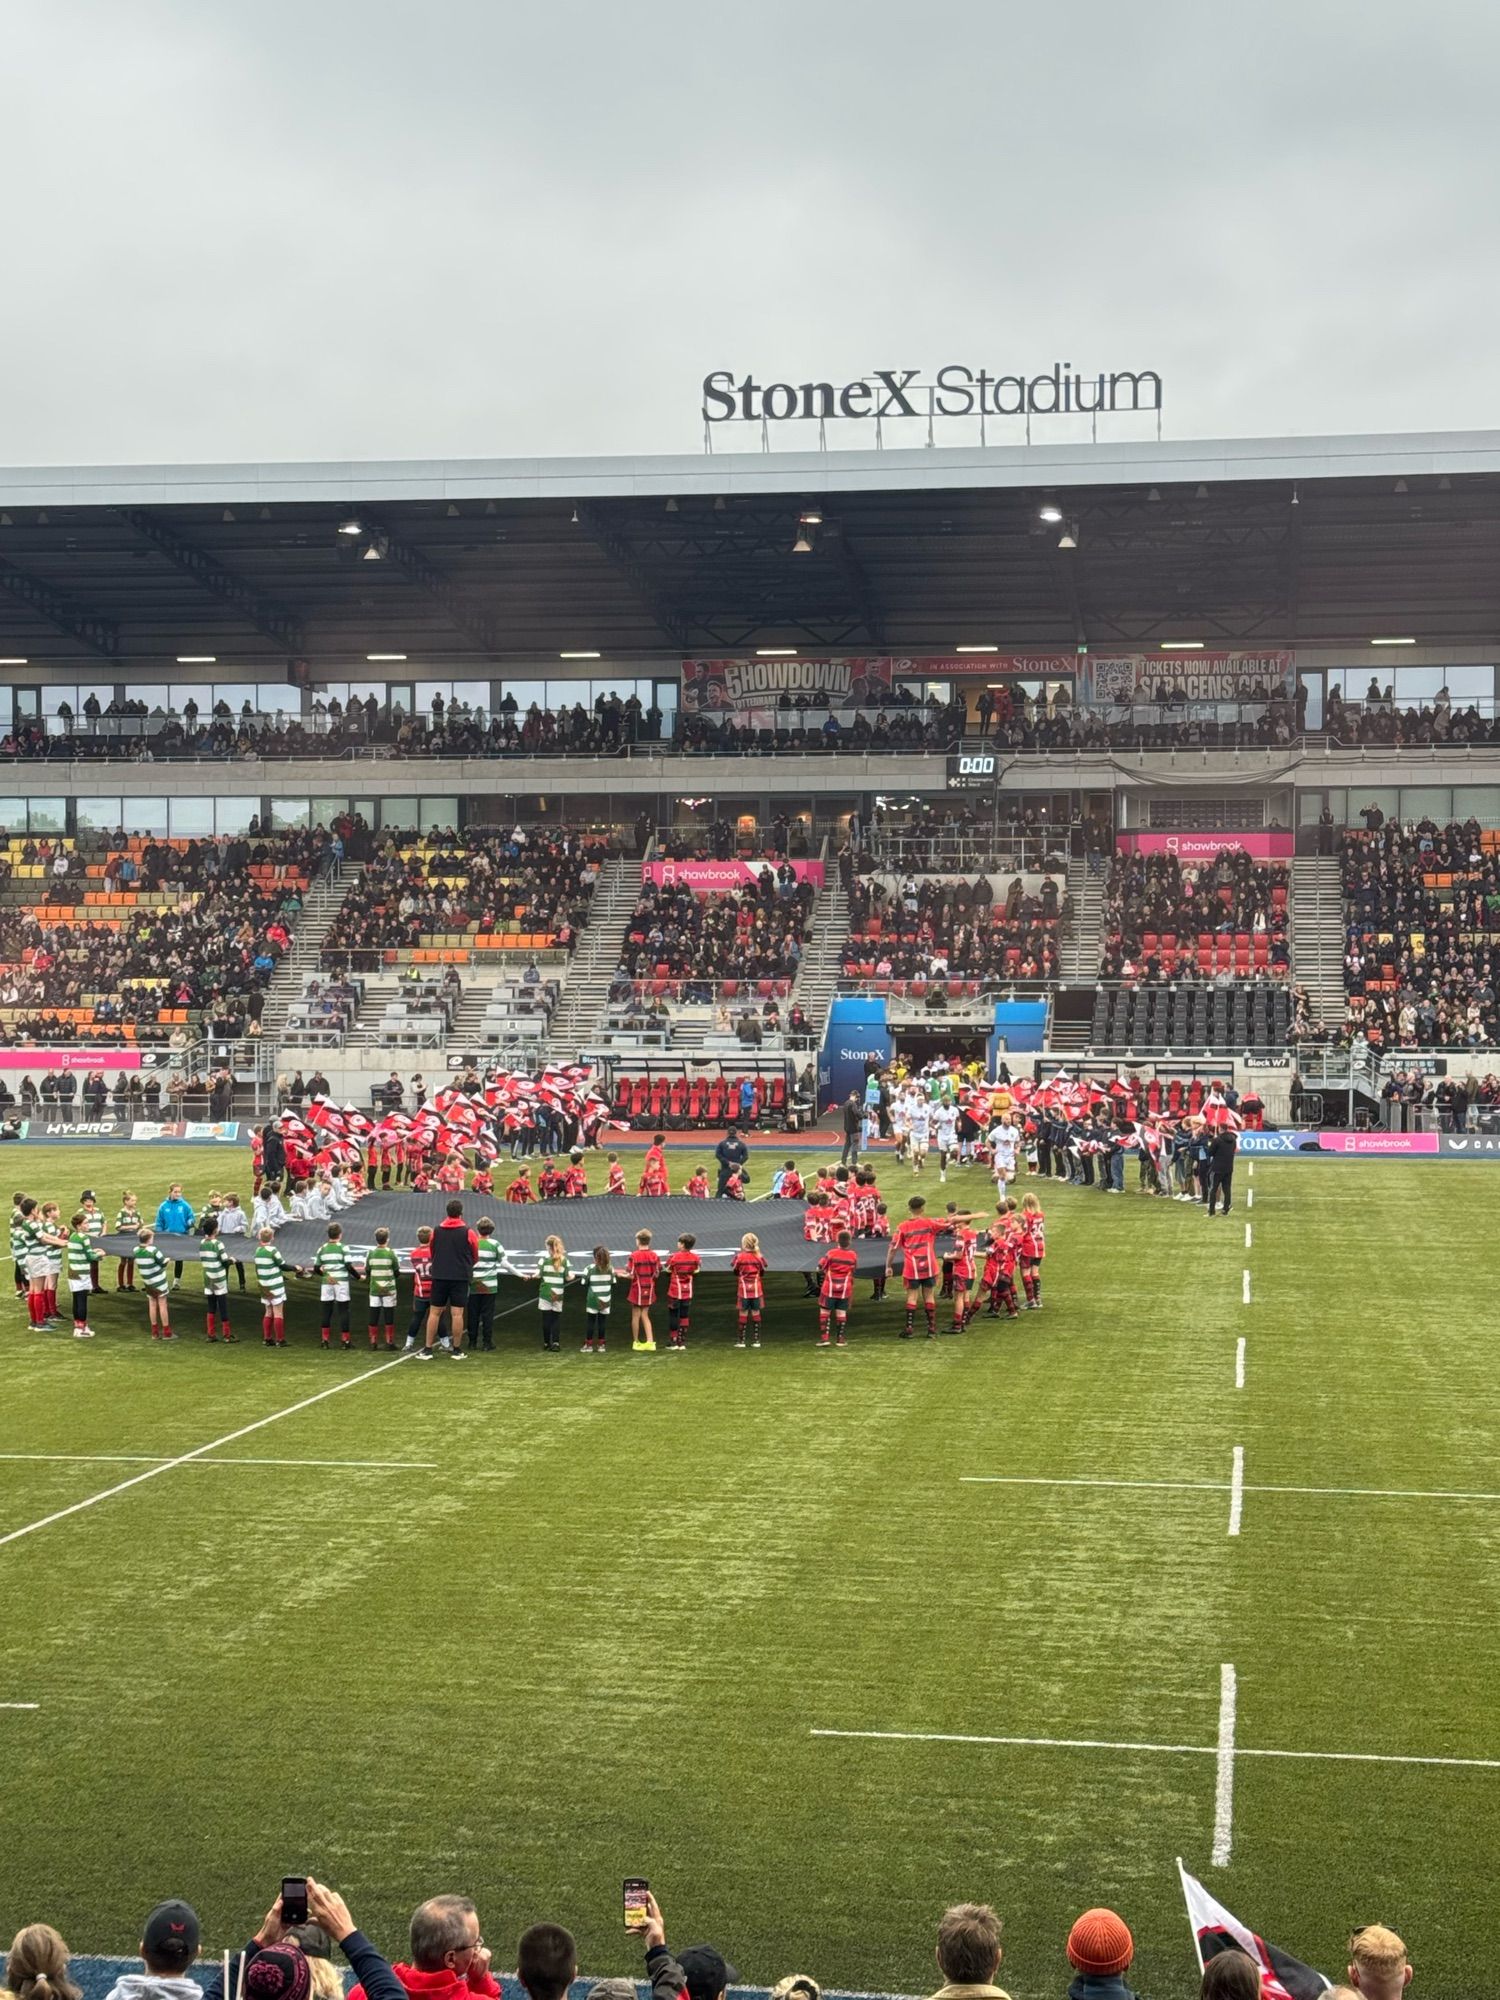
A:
x: 971, y: 770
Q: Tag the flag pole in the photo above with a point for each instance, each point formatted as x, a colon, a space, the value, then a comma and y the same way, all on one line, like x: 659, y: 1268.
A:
x: 1182, y: 1880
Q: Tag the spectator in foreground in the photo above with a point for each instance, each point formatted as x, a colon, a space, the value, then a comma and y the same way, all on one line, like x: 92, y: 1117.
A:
x: 1378, y: 1965
x: 700, y: 1974
x: 1230, y: 1975
x: 449, y: 1957
x: 275, y: 1967
x: 37, y: 1967
x: 169, y: 1944
x: 546, y: 1961
x: 969, y: 1953
x: 1100, y: 1949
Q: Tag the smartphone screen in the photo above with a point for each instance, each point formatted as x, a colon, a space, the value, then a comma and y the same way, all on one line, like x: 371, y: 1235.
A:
x: 294, y: 1899
x: 636, y: 1892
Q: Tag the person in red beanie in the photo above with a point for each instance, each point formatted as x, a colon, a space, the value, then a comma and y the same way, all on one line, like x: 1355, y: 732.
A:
x: 1100, y: 1949
x: 449, y: 1958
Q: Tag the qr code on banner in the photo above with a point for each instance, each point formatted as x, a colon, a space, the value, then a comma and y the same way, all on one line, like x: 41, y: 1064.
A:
x: 1114, y: 680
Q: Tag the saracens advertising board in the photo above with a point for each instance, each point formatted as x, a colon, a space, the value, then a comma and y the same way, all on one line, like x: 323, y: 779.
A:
x: 1142, y: 678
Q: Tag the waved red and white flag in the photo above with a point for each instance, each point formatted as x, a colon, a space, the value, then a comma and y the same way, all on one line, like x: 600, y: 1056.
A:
x: 1215, y: 1929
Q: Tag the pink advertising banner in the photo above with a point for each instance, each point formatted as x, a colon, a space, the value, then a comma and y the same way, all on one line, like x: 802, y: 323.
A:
x: 43, y: 1059
x: 1378, y: 1142
x: 1205, y: 846
x: 710, y: 878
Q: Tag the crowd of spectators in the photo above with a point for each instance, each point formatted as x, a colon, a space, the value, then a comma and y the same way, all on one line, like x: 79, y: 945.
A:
x: 804, y: 727
x: 211, y: 948
x: 442, y: 883
x: 1422, y: 934
x: 1224, y: 920
x: 938, y: 927
x: 449, y: 1960
x: 701, y: 941
x: 1381, y: 721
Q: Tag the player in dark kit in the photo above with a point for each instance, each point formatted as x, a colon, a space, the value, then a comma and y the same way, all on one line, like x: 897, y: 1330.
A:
x: 838, y: 1265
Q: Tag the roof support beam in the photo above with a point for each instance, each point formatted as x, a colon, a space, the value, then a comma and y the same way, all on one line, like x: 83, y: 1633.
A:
x: 832, y: 538
x: 604, y: 537
x: 59, y: 611
x: 267, y: 617
x: 459, y: 609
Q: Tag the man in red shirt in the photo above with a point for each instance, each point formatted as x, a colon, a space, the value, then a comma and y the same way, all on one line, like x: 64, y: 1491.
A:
x: 449, y: 1958
x: 838, y: 1265
x: 916, y: 1240
x: 682, y: 1267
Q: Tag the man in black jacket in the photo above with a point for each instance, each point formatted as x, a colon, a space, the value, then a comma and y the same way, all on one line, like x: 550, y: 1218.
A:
x: 1221, y: 1148
x: 284, y: 1967
x: 732, y: 1155
x: 454, y: 1249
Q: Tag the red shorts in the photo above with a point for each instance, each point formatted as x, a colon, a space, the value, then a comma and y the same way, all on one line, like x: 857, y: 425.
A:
x: 918, y: 1270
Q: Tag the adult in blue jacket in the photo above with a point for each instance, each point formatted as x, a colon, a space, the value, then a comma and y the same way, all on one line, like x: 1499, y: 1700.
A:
x: 175, y: 1218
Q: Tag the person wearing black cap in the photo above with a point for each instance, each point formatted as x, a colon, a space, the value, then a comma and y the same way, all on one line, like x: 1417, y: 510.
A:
x: 699, y: 1973
x: 169, y: 1944
x: 275, y: 1967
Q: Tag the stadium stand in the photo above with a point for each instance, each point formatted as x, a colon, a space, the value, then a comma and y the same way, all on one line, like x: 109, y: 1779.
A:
x: 688, y: 946
x: 913, y: 930
x: 1422, y: 918
x: 1163, y: 921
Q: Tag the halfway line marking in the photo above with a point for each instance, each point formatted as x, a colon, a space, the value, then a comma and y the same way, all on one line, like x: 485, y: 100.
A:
x: 1239, y: 1362
x: 1247, y: 1236
x: 20, y: 1704
x: 187, y: 1457
x: 1156, y: 1749
x: 1245, y: 1290
x: 1224, y: 1777
x: 1237, y: 1490
x: 1250, y: 1195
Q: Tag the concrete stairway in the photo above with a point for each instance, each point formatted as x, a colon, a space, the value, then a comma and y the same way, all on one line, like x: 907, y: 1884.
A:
x: 581, y: 1008
x: 823, y: 956
x: 1318, y: 934
x: 1080, y: 950
x: 322, y: 904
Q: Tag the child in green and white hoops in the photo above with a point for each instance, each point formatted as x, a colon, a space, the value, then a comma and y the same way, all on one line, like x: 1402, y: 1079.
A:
x: 551, y: 1277
x: 599, y: 1290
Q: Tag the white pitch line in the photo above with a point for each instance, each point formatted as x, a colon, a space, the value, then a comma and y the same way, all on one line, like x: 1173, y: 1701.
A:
x: 144, y: 1458
x: 1237, y: 1490
x: 1239, y: 1362
x: 1250, y: 1195
x: 187, y: 1457
x: 1224, y: 1776
x: 32, y: 1705
x: 1247, y: 1236
x: 1245, y: 1290
x: 1138, y: 1485
x: 1155, y: 1749
x: 1250, y: 1168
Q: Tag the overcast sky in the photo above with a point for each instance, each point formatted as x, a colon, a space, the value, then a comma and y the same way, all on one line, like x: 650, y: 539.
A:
x: 475, y: 228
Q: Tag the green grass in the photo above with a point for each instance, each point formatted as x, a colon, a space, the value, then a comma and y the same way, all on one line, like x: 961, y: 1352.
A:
x: 595, y: 1640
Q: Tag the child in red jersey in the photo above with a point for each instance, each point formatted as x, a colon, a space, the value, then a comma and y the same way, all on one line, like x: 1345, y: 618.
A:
x: 749, y: 1268
x: 575, y: 1179
x: 864, y: 1199
x: 826, y: 1180
x: 964, y: 1239
x: 915, y: 1240
x: 421, y: 1285
x: 654, y: 1169
x: 697, y: 1184
x: 484, y: 1180
x: 1032, y: 1246
x: 838, y: 1266
x: 734, y: 1185
x: 421, y: 1180
x: 450, y: 1176
x: 880, y: 1229
x: 645, y: 1269
x: 817, y: 1227
x: 999, y: 1277
x: 682, y: 1267
x: 549, y: 1185
x: 257, y: 1163
x: 616, y: 1182
x: 789, y: 1184
x: 520, y: 1188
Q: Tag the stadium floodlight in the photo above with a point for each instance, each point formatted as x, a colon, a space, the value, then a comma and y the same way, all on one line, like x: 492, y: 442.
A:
x: 1052, y: 515
x: 350, y: 526
x: 372, y: 553
x: 776, y: 652
x: 197, y: 659
x: 1068, y: 539
x: 812, y: 517
x: 376, y: 659
x: 1393, y: 642
x: 803, y: 545
x: 1181, y: 645
x: 578, y: 656
x: 14, y: 663
x: 976, y: 649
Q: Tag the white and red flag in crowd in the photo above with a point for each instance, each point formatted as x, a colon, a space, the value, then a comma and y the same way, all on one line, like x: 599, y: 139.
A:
x: 1217, y: 1115
x: 1282, y: 1977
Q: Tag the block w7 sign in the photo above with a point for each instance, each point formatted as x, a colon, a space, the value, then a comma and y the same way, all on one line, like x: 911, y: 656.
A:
x: 1282, y: 1977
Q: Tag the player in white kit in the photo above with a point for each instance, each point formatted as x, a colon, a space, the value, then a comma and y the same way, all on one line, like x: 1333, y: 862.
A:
x: 919, y: 1125
x: 945, y: 1136
x: 1005, y: 1143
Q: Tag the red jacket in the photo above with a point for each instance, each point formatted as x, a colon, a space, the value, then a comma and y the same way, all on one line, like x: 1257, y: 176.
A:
x: 443, y: 1985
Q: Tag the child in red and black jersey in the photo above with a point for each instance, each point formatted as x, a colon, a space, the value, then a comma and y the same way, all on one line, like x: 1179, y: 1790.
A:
x: 645, y: 1268
x: 864, y: 1199
x: 520, y: 1188
x: 654, y: 1170
x: 915, y: 1239
x: 616, y: 1181
x: 549, y: 1185
x: 964, y: 1239
x: 484, y: 1180
x: 838, y: 1266
x: 999, y: 1275
x: 682, y: 1267
x: 880, y: 1229
x: 450, y: 1176
x: 1032, y: 1248
x: 749, y: 1268
x: 697, y: 1184
x: 421, y: 1285
x: 790, y: 1185
x: 575, y: 1178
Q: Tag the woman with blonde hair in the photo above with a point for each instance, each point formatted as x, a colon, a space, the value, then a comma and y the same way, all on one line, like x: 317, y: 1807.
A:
x: 37, y: 1967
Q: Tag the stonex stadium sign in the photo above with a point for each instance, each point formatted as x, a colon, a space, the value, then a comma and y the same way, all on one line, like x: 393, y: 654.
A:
x: 954, y: 390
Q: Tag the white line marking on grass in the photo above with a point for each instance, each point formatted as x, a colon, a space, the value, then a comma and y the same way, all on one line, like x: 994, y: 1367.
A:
x: 1138, y: 1485
x: 1239, y: 1362
x: 1250, y: 1197
x: 1245, y: 1289
x: 187, y: 1457
x: 1250, y: 1169
x: 33, y: 1705
x: 1227, y: 1486
x: 1237, y: 1490
x: 144, y: 1458
x: 1155, y: 1749
x: 1224, y: 1777
x: 1247, y: 1236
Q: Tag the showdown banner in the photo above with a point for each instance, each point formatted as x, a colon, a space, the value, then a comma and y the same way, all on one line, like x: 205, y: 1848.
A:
x: 1207, y: 846
x: 706, y: 878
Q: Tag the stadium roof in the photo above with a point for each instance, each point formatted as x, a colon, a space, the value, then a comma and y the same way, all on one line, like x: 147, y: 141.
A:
x: 469, y: 564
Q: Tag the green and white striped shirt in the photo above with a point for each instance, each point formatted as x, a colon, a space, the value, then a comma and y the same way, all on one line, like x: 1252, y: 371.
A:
x: 215, y: 1265
x: 382, y: 1268
x: 551, y: 1278
x: 22, y: 1236
x: 80, y: 1260
x: 153, y: 1267
x: 127, y: 1222
x: 270, y: 1271
x: 487, y: 1264
x: 332, y: 1263
x: 599, y: 1292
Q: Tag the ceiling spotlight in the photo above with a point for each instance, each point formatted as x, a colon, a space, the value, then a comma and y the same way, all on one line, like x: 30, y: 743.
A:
x: 719, y: 504
x: 1153, y: 495
x: 578, y: 656
x: 349, y: 527
x: 227, y: 515
x: 1296, y: 501
x: 802, y: 546
x: 1181, y: 645
x: 372, y: 553
x: 1393, y: 642
x: 812, y: 517
x: 197, y: 659
x: 41, y: 519
x: 376, y: 659
x: 1445, y: 484
x: 451, y: 511
x: 671, y: 506
x: 976, y: 649
x: 1200, y: 492
x: 776, y: 652
x: 1068, y: 539
x: 490, y: 507
x: 264, y: 514
x: 1051, y: 514
x: 1399, y: 487
x: 14, y: 663
x: 575, y: 513
x: 6, y: 521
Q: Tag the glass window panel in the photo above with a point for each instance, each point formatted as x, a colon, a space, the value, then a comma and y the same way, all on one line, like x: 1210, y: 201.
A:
x: 288, y: 813
x: 98, y: 815
x: 235, y: 815
x: 1427, y: 802
x: 276, y: 698
x: 1384, y: 796
x: 1309, y: 805
x: 152, y: 693
x: 475, y: 693
x: 12, y: 816
x: 398, y: 812
x: 1466, y: 684
x: 525, y: 693
x: 362, y: 690
x: 191, y: 818
x: 335, y: 691
x: 1414, y: 684
x: 200, y: 693
x: 103, y: 691
x: 47, y: 815
x: 26, y: 703
x: 1314, y: 686
x: 55, y: 694
x: 325, y: 811
x: 438, y: 812
x: 144, y: 815
x: 1481, y: 802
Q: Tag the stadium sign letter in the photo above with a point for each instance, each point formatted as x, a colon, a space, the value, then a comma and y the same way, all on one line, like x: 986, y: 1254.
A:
x: 895, y: 403
x: 958, y: 382
x: 1135, y: 381
x: 712, y: 393
x: 847, y: 396
x: 785, y: 404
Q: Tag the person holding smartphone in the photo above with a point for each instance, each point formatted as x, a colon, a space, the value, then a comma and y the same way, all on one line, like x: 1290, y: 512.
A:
x: 283, y: 1964
x: 700, y: 1974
